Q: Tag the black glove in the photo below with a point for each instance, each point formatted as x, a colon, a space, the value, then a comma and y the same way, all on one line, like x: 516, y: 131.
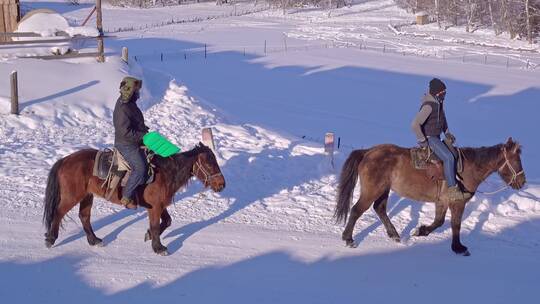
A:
x: 450, y: 137
x: 423, y: 143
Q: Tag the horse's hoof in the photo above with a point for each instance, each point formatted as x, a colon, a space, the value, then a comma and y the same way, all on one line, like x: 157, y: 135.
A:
x: 163, y: 252
x: 97, y: 243
x: 461, y: 250
x: 147, y: 236
x: 48, y: 243
x: 464, y: 253
x: 351, y: 244
x: 420, y: 231
x: 396, y: 239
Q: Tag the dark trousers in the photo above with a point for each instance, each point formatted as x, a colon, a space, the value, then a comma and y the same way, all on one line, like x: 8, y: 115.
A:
x: 441, y: 150
x: 137, y: 162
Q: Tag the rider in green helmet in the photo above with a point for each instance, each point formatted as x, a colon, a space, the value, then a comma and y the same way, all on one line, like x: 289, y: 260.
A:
x: 129, y: 129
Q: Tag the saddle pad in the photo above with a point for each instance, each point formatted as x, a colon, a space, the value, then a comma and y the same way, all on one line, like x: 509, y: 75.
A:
x: 422, y: 158
x: 103, y: 163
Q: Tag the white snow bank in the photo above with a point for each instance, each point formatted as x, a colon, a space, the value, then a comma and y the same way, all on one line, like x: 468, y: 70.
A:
x: 64, y: 93
x: 45, y: 24
x: 5, y: 105
x: 87, y: 31
x: 48, y: 24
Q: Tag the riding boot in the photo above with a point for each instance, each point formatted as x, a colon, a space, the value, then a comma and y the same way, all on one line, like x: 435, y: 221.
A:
x: 456, y: 194
x: 128, y: 203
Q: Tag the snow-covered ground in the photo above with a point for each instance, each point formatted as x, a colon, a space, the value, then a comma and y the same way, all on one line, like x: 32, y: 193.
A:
x: 269, y: 236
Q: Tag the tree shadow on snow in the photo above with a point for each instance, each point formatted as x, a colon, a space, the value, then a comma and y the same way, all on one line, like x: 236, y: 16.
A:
x: 256, y: 177
x: 59, y: 94
x: 418, y: 273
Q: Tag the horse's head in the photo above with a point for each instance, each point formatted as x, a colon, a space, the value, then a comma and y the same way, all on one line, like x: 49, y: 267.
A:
x: 207, y: 170
x: 511, y: 170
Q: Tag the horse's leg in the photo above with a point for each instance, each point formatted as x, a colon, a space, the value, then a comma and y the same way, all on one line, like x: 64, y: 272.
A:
x: 154, y: 215
x: 166, y: 221
x: 380, y: 208
x: 456, y: 210
x: 63, y: 207
x: 85, y: 208
x: 357, y: 210
x: 440, y: 213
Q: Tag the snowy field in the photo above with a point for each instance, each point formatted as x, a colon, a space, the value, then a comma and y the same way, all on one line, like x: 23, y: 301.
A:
x: 269, y: 237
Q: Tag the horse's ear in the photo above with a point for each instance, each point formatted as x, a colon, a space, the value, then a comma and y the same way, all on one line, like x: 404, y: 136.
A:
x: 509, y: 143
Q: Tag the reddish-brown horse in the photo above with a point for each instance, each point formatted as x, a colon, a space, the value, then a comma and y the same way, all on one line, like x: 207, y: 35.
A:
x: 70, y: 182
x: 388, y: 167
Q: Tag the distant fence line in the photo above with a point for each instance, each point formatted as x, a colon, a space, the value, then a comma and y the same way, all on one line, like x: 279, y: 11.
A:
x: 508, y: 61
x: 172, y: 21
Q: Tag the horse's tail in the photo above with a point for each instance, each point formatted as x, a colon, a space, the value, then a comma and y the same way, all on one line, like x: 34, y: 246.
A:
x: 52, y: 195
x: 347, y: 182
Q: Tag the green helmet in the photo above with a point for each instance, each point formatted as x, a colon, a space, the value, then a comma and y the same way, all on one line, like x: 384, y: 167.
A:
x: 128, y: 87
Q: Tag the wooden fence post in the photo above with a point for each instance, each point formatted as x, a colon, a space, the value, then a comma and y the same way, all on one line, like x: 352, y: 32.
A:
x: 99, y: 26
x: 14, y: 94
x: 329, y: 146
x: 208, y: 138
x: 125, y: 55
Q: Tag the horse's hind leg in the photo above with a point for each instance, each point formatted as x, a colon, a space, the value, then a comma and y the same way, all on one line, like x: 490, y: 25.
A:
x: 166, y: 221
x: 84, y: 215
x: 52, y: 233
x: 380, y: 208
x: 357, y: 210
x: 440, y: 213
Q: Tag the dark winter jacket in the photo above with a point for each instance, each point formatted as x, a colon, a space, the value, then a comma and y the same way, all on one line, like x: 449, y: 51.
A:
x: 430, y: 120
x: 435, y: 124
x: 128, y: 120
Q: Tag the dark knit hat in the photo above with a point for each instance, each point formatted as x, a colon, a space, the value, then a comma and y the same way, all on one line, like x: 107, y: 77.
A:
x: 436, y: 86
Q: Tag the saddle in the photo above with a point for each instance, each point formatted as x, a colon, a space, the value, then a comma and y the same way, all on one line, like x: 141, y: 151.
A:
x: 425, y: 159
x: 111, y: 167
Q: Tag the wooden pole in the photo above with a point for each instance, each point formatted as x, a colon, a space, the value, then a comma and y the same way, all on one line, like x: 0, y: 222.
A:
x: 329, y: 146
x: 88, y: 17
x: 14, y: 94
x: 208, y: 138
x: 99, y: 26
x: 125, y: 55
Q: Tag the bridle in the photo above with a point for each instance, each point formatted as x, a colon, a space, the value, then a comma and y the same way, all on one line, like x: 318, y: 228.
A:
x: 515, y: 174
x: 512, y: 170
x: 207, y: 176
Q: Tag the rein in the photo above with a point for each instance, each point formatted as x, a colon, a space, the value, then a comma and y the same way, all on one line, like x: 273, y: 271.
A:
x: 512, y: 170
x: 207, y: 176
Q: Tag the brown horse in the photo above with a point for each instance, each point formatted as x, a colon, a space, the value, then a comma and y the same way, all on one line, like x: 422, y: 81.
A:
x: 70, y: 182
x: 388, y: 167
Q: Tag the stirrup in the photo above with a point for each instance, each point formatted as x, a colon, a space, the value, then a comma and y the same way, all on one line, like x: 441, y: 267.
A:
x: 128, y: 203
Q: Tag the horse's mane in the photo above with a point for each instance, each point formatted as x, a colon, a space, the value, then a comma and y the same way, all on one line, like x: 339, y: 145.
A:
x: 178, y: 167
x: 482, y: 154
x: 479, y: 155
